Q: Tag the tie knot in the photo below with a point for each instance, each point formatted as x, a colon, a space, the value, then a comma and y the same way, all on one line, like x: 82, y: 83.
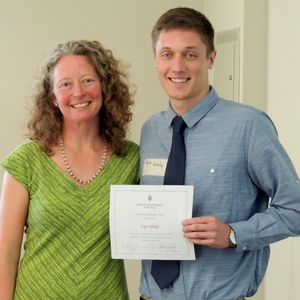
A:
x: 178, y: 125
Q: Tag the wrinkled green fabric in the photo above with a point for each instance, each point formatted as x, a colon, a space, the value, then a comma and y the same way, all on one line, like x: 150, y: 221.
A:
x: 67, y: 250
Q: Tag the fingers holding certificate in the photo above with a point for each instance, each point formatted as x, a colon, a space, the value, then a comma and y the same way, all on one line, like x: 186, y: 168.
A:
x: 145, y: 222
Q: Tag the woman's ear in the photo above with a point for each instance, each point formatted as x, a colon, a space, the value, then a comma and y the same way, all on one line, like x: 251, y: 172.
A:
x: 54, y: 101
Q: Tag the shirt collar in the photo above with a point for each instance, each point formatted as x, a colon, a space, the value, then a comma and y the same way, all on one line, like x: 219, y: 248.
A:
x: 196, y: 113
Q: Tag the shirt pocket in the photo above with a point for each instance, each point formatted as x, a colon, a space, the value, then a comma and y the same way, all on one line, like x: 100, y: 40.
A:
x: 213, y: 191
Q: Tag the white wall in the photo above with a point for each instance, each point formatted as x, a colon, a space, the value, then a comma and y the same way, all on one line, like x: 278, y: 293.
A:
x: 28, y: 29
x: 283, y: 104
x: 226, y: 15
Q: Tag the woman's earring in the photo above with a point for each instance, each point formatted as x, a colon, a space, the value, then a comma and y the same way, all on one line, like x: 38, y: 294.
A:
x: 55, y: 104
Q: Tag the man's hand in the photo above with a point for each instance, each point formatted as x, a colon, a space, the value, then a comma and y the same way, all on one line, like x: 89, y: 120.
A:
x: 207, y: 231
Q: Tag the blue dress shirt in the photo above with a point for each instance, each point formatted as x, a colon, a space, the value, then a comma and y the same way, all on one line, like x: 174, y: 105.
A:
x: 242, y: 175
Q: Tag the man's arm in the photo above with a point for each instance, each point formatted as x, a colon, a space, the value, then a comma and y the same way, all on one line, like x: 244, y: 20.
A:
x: 273, y: 174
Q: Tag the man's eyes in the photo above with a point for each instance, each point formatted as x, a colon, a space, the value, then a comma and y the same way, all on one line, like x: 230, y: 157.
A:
x: 189, y: 55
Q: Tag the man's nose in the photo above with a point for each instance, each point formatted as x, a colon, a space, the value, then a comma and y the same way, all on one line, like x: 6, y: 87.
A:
x: 178, y: 64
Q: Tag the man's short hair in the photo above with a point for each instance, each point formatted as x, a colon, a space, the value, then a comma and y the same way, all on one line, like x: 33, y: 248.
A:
x: 185, y: 18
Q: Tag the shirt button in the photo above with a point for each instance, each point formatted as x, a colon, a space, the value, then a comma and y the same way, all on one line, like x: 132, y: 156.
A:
x: 212, y: 170
x: 244, y: 248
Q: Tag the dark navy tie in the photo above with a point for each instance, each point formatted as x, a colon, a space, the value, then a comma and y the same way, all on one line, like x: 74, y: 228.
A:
x: 165, y: 272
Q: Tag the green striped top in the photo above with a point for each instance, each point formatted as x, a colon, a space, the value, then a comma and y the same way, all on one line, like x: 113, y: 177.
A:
x: 67, y: 249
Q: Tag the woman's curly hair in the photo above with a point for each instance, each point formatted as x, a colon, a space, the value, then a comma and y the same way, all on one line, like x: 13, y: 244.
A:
x: 46, y: 123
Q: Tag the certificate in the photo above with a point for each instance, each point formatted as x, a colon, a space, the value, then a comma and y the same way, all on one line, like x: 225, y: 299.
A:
x: 145, y: 221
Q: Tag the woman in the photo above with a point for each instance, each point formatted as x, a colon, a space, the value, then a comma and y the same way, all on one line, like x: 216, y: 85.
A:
x: 58, y: 183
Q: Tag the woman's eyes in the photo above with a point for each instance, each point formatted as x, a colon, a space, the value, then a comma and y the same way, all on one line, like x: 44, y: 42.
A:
x: 65, y: 85
x: 88, y: 80
x: 69, y: 84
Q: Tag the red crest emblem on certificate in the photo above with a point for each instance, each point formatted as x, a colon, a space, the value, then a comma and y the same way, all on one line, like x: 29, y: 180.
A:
x: 149, y: 197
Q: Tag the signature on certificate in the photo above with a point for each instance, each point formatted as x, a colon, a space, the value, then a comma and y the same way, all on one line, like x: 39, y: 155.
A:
x: 171, y: 247
x: 130, y: 246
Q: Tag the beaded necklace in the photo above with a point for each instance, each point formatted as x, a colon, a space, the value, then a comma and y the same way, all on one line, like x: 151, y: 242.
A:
x: 62, y: 149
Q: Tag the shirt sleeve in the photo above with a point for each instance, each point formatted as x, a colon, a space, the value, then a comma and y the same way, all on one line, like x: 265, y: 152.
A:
x: 17, y: 165
x: 272, y: 171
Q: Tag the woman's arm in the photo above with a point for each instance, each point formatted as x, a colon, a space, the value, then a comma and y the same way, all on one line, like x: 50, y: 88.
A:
x: 13, y: 211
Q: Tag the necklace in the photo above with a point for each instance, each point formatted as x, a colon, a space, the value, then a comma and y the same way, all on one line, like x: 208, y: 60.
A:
x: 62, y: 149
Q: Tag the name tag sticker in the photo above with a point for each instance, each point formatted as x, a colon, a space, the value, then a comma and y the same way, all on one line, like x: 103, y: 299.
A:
x: 154, y: 167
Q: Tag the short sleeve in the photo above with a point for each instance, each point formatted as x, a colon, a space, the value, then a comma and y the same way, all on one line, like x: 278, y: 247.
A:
x: 17, y: 165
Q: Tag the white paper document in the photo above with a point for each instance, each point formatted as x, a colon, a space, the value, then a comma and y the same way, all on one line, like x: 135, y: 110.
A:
x: 145, y: 221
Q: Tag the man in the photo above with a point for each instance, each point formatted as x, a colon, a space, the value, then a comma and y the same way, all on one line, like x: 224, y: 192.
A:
x: 235, y: 162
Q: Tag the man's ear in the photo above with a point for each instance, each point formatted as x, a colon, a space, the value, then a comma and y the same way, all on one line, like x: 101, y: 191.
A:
x: 212, y: 58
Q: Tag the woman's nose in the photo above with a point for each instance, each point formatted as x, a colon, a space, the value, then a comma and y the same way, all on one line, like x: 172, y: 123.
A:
x: 78, y: 90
